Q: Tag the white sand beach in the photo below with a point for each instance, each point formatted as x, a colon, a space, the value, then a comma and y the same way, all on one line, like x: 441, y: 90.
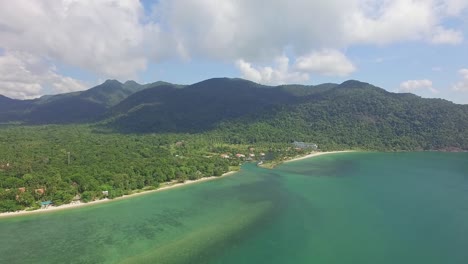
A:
x: 80, y: 204
x: 315, y: 154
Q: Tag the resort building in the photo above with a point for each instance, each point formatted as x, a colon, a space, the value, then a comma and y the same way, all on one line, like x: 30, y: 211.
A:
x: 304, y: 145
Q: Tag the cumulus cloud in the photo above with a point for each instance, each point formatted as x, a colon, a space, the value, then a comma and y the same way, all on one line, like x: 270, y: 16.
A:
x: 105, y: 37
x: 232, y: 29
x: 280, y: 74
x: 108, y: 33
x: 247, y: 29
x: 25, y: 76
x: 415, y: 86
x: 454, y: 7
x: 462, y: 86
x: 383, y: 22
x: 447, y: 36
x: 118, y: 38
x: 326, y: 62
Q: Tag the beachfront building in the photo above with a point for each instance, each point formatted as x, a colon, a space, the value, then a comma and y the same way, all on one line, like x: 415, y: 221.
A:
x: 304, y: 145
x: 46, y: 204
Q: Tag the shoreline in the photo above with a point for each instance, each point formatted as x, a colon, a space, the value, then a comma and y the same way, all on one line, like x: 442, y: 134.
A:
x: 315, y: 154
x: 311, y: 155
x: 166, y: 186
x: 169, y: 185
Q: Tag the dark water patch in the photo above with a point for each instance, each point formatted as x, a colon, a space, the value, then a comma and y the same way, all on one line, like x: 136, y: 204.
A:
x: 263, y: 202
x: 322, y: 166
x: 348, y: 208
x: 199, y: 246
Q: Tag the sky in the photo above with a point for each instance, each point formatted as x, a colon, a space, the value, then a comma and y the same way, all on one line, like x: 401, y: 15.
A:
x: 57, y: 46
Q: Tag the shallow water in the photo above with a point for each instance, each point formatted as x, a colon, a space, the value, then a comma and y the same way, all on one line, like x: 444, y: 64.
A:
x: 340, y: 208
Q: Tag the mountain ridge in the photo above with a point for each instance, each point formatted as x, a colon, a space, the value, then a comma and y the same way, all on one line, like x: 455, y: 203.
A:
x: 74, y: 107
x: 353, y: 114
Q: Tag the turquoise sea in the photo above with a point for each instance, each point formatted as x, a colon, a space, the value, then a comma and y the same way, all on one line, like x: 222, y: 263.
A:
x: 339, y: 208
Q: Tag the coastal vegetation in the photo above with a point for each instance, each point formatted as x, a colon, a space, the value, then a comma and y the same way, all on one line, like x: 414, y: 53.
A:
x: 66, y: 163
x: 117, y: 138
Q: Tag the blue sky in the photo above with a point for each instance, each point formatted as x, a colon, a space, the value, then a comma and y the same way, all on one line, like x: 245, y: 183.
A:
x: 417, y: 46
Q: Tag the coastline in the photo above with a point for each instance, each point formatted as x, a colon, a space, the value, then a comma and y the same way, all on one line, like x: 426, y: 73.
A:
x: 315, y: 154
x: 311, y: 155
x: 168, y: 186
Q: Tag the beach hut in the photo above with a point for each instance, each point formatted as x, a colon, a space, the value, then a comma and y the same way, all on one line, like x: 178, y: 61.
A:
x: 45, y: 204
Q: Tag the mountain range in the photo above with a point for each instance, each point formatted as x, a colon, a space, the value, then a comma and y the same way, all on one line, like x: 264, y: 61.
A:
x: 352, y: 114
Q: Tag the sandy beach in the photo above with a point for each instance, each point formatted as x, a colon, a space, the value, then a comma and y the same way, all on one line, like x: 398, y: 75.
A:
x: 272, y: 165
x: 80, y: 204
x: 167, y: 186
x: 315, y: 154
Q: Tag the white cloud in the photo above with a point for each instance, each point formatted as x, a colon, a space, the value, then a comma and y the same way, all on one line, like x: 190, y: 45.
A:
x: 326, y: 62
x: 384, y: 22
x: 454, y: 7
x: 415, y: 86
x: 247, y: 29
x: 462, y: 86
x: 62, y: 84
x: 248, y: 71
x: 281, y: 74
x: 25, y: 76
x: 233, y: 29
x: 447, y: 36
x: 115, y: 39
x: 106, y: 37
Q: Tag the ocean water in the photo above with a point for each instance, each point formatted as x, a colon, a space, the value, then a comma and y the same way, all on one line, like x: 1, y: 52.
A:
x: 339, y: 208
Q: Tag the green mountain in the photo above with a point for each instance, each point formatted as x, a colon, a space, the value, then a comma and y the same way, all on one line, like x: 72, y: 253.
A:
x: 13, y: 109
x: 138, y: 136
x: 359, y: 115
x: 195, y: 108
x: 352, y: 114
x: 112, y: 92
x: 74, y: 107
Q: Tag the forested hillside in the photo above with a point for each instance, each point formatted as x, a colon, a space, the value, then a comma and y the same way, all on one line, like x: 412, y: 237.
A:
x: 123, y: 137
x: 69, y: 108
x: 196, y: 108
x: 350, y: 115
x: 59, y: 162
x: 358, y: 115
